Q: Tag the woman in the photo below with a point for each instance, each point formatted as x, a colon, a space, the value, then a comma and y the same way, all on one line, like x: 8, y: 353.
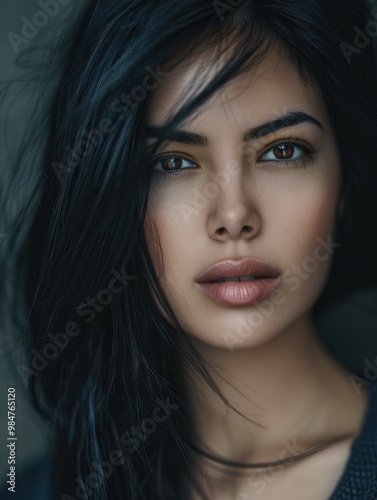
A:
x: 192, y: 143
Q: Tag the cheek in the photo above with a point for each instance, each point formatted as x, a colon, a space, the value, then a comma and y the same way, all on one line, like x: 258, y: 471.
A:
x: 303, y: 207
x: 303, y: 231
x: 170, y: 237
x: 170, y: 245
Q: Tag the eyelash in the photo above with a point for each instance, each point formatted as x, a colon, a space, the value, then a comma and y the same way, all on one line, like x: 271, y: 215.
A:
x: 309, y: 152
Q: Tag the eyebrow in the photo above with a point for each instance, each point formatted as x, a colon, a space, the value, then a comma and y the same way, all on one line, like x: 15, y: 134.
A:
x: 288, y: 120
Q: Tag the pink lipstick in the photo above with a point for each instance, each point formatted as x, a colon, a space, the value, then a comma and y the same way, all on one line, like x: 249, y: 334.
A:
x: 239, y: 282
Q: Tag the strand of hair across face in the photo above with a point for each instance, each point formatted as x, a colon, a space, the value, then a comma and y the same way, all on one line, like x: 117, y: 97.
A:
x: 262, y: 465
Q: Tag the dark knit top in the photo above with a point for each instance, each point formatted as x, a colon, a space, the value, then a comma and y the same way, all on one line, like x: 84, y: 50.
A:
x: 359, y: 478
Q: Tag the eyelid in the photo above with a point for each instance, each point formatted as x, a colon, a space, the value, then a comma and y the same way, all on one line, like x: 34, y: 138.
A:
x: 264, y: 144
x: 169, y: 153
x: 173, y: 154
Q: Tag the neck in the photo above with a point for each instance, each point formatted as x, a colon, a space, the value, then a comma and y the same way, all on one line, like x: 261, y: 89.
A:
x: 290, y: 389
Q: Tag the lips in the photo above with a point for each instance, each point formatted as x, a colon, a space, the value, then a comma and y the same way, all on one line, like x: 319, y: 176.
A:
x: 244, y: 292
x: 237, y: 269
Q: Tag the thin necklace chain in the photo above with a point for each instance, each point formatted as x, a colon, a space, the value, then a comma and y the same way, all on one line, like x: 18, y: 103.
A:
x: 262, y: 465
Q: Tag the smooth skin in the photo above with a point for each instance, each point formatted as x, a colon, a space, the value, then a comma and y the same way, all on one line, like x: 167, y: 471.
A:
x: 276, y: 203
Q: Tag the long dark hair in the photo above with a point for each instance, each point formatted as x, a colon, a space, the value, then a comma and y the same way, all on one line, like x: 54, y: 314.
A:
x: 105, y: 366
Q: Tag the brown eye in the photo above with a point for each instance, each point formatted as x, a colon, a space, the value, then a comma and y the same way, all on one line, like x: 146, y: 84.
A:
x: 171, y: 163
x: 283, y: 151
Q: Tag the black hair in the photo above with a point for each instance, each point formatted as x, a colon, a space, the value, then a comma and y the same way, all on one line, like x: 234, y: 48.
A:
x: 113, y: 385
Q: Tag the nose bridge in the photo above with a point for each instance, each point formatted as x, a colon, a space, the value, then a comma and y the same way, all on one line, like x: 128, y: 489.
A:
x: 233, y: 208
x: 234, y: 178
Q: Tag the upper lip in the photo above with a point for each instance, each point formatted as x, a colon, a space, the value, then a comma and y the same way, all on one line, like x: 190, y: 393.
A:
x: 236, y: 268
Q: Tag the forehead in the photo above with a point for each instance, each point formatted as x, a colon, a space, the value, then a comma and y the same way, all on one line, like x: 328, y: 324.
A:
x: 268, y: 88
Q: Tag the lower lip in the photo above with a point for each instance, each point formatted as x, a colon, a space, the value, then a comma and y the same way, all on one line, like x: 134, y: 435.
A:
x: 240, y: 293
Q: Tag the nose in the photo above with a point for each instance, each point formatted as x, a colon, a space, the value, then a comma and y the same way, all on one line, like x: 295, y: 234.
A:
x: 234, y: 213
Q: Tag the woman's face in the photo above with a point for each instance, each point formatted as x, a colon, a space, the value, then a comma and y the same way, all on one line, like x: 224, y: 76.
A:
x: 271, y: 196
